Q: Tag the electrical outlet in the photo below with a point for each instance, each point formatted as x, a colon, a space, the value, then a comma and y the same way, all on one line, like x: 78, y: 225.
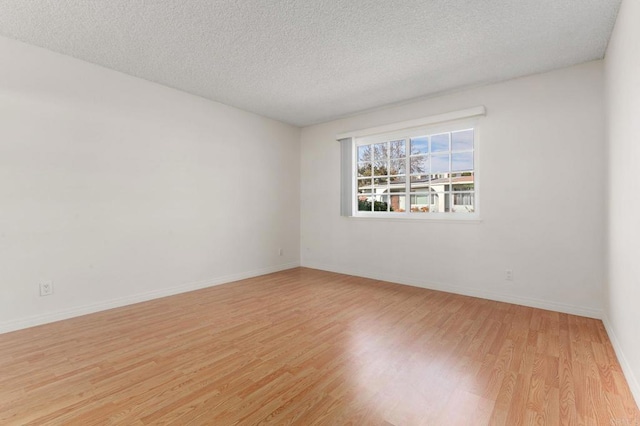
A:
x: 280, y: 252
x: 508, y: 275
x: 46, y: 288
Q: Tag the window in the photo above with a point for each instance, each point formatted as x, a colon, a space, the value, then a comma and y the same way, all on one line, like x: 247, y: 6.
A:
x: 426, y: 168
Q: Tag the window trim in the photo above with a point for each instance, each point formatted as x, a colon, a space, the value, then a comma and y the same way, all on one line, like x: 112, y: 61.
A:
x: 465, y: 119
x: 447, y: 117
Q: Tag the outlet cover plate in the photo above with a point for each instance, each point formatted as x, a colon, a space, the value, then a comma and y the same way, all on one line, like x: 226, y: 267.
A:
x: 46, y: 288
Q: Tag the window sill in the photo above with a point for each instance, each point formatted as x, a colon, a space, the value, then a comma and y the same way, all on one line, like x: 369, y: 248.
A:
x: 420, y: 218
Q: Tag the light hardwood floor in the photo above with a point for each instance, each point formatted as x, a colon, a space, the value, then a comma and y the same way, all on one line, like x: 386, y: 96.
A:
x: 310, y: 347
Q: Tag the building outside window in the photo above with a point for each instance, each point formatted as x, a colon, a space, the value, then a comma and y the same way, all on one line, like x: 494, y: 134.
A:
x: 423, y: 172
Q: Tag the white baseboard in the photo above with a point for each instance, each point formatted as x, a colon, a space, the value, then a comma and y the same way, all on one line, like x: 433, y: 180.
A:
x: 466, y: 291
x: 32, y: 321
x: 632, y: 380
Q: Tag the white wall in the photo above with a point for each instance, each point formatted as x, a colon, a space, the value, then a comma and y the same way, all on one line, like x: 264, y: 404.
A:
x: 542, y: 187
x: 120, y: 190
x: 622, y: 291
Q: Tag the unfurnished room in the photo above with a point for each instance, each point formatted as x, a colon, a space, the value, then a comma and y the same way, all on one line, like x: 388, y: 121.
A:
x: 387, y: 213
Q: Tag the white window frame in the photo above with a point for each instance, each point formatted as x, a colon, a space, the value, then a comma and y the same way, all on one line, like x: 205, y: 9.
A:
x: 450, y: 122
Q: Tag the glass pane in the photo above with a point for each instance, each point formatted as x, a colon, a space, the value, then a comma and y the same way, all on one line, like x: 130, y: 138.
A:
x: 440, y: 163
x: 438, y: 202
x: 463, y: 202
x: 439, y: 183
x: 462, y: 161
x: 380, y: 168
x: 364, y: 153
x: 419, y: 164
x: 466, y: 177
x: 364, y: 204
x: 397, y: 167
x: 397, y: 149
x: 421, y: 203
x: 440, y: 142
x: 419, y: 145
x: 462, y: 141
x: 397, y: 180
x: 381, y: 203
x: 364, y: 185
x: 457, y: 187
x: 462, y: 182
x: 380, y: 182
x: 397, y: 203
x: 380, y: 151
x: 364, y: 169
x: 419, y: 183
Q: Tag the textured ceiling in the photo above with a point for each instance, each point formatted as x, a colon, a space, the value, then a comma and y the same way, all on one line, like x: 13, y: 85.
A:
x: 308, y: 61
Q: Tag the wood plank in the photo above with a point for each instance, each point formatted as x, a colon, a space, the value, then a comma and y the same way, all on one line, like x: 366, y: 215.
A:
x: 310, y: 347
